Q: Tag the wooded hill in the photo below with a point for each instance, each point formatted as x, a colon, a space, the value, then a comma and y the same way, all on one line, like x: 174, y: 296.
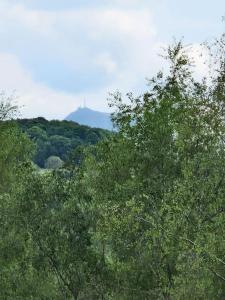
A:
x: 58, y: 138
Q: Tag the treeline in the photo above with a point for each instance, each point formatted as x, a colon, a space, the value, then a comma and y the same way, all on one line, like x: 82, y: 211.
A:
x: 143, y: 215
x: 58, y: 138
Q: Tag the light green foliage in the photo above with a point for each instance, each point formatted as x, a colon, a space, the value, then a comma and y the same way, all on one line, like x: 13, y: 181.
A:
x: 17, y: 277
x: 159, y: 188
x: 53, y: 162
x: 15, y: 148
x: 58, y: 216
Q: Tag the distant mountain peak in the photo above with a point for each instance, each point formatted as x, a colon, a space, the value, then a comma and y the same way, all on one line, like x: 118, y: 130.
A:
x: 90, y: 117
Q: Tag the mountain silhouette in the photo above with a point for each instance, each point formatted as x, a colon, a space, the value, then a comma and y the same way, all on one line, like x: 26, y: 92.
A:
x: 92, y: 118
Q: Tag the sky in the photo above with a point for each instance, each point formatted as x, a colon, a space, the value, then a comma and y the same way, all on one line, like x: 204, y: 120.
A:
x: 57, y: 54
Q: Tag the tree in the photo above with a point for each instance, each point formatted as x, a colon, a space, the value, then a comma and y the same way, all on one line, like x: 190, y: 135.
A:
x: 58, y: 138
x: 15, y: 153
x: 57, y: 216
x: 60, y: 146
x: 53, y: 162
x: 158, y: 188
x: 46, y: 228
x: 15, y: 147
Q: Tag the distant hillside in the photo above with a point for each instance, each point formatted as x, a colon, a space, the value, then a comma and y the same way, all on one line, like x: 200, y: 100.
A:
x: 92, y: 118
x: 58, y: 138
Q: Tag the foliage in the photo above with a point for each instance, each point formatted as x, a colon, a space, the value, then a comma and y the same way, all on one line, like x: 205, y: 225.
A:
x: 58, y: 138
x: 15, y: 147
x: 159, y: 188
x: 139, y: 215
x: 53, y: 162
x: 58, y: 224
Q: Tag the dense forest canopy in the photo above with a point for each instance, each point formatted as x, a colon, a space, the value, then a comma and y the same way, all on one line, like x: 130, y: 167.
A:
x: 58, y: 138
x: 142, y: 216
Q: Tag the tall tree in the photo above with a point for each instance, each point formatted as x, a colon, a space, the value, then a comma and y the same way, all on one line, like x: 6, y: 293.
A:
x: 158, y: 188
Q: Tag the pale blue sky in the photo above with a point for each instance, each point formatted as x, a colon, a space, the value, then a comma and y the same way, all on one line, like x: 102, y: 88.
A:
x: 56, y: 53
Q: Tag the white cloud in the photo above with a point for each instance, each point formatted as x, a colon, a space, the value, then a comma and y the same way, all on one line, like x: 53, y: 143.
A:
x: 120, y: 43
x: 105, y: 61
x: 33, y: 98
